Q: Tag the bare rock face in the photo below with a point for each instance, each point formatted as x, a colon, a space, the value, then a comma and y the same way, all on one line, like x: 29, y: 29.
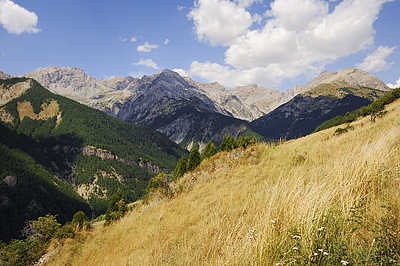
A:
x: 4, y: 75
x: 68, y: 81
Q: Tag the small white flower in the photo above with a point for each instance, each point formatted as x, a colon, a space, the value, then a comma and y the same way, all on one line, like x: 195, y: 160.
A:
x: 315, y: 254
x: 273, y: 221
x: 343, y: 262
x: 294, y: 237
x: 320, y: 250
x: 295, y: 248
x: 326, y: 253
x: 321, y: 229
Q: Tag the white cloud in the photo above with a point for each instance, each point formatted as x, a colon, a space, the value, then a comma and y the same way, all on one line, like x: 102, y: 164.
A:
x: 296, y: 37
x: 16, y: 19
x: 180, y: 8
x: 146, y: 47
x: 147, y: 63
x: 232, y: 77
x: 376, y: 61
x: 219, y: 21
x: 394, y: 86
x: 123, y: 39
x: 181, y: 72
x: 133, y: 39
x: 166, y: 41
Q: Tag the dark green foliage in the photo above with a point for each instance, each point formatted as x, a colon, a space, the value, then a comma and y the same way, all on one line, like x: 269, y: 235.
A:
x: 194, y: 159
x: 80, y: 219
x: 21, y: 252
x: 117, y: 208
x: 228, y: 143
x: 157, y: 182
x: 373, y: 109
x: 66, y: 231
x: 35, y: 151
x: 35, y: 192
x: 244, y: 142
x: 42, y: 229
x: 209, y: 150
x: 180, y: 169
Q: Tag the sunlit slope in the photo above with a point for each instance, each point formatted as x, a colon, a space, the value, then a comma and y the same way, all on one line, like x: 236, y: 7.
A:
x: 325, y: 199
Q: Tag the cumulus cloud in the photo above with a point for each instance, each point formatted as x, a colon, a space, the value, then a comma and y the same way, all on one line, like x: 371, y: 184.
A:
x: 16, y: 19
x: 181, y: 72
x: 295, y: 37
x: 376, y: 61
x: 394, y: 86
x: 146, y: 47
x: 147, y: 63
x: 220, y: 21
x: 166, y: 41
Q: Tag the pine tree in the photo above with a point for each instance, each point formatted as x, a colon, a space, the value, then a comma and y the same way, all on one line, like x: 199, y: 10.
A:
x: 116, y: 209
x: 228, y: 143
x: 180, y: 169
x: 209, y: 151
x: 194, y: 159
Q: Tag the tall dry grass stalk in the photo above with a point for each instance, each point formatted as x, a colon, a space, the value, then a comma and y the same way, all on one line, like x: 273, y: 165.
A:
x: 319, y: 200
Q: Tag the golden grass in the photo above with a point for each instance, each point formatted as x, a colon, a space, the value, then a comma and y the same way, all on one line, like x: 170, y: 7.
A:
x: 264, y: 206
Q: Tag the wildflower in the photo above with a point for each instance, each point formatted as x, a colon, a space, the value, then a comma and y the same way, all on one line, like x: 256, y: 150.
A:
x: 343, y: 262
x: 320, y: 250
x: 315, y: 254
x: 294, y: 237
x: 252, y: 234
x: 295, y: 248
x: 273, y: 221
x: 321, y: 229
x: 326, y: 253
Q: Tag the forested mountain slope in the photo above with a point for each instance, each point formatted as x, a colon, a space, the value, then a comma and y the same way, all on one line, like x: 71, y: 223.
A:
x: 92, y: 152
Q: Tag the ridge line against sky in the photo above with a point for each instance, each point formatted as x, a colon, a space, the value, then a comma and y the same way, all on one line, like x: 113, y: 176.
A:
x: 275, y: 44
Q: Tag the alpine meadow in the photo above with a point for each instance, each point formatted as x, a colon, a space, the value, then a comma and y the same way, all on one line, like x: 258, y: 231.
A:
x: 324, y: 199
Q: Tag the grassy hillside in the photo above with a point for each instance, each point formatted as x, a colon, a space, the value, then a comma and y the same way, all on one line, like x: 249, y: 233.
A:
x: 325, y: 199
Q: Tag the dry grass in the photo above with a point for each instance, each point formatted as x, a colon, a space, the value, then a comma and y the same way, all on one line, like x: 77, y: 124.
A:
x: 269, y: 205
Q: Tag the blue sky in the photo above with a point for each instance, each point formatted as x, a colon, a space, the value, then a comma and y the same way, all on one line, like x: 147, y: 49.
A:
x: 275, y: 44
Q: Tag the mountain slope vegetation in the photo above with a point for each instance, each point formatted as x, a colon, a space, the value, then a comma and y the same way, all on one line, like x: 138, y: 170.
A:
x: 324, y: 199
x: 305, y: 112
x: 72, y: 145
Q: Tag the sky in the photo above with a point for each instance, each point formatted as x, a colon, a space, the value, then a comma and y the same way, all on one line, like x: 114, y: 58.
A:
x: 271, y: 43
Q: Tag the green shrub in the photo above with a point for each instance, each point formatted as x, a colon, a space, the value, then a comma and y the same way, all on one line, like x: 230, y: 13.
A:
x: 80, y: 219
x: 117, y: 208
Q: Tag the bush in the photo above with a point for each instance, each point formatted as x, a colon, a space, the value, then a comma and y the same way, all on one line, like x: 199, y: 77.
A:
x: 42, y: 229
x: 80, y: 219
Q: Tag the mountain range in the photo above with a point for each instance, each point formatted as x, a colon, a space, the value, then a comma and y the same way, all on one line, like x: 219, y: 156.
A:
x: 190, y: 112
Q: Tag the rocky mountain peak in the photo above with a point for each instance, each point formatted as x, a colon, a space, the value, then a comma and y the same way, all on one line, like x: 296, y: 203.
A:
x: 357, y: 77
x: 4, y: 75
